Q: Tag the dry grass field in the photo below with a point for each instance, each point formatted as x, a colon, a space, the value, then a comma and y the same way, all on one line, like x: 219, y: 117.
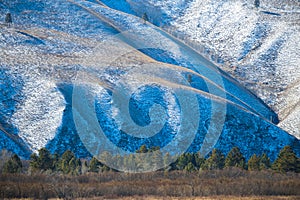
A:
x: 188, y: 198
x: 219, y: 184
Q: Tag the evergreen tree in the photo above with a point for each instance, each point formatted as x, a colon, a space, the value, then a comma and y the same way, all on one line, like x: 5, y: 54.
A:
x: 190, y: 167
x: 13, y: 165
x: 155, y: 148
x: 72, y: 166
x: 182, y: 161
x: 67, y: 162
x: 254, y: 163
x: 215, y: 161
x: 199, y: 161
x: 256, y: 3
x: 94, y: 165
x: 105, y: 168
x: 189, y: 78
x: 145, y: 17
x: 264, y: 162
x: 34, y: 162
x: 45, y: 160
x: 78, y: 165
x: 42, y: 161
x: 56, y: 162
x: 142, y: 149
x: 235, y: 158
x: 8, y: 18
x: 190, y: 158
x: 286, y: 161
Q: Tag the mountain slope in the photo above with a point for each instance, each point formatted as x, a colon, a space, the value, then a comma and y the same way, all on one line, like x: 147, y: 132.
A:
x: 49, y: 66
x: 252, y: 44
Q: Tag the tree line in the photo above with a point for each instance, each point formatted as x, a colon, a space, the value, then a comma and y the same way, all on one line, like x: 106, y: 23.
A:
x: 68, y: 163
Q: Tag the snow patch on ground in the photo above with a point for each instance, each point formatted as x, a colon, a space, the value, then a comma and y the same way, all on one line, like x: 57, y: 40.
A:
x: 40, y: 113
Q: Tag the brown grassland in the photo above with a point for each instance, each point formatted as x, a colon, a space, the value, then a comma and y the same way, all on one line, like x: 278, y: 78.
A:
x: 226, y: 184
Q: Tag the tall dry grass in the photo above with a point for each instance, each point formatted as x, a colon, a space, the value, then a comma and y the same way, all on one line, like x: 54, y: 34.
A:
x: 175, y: 184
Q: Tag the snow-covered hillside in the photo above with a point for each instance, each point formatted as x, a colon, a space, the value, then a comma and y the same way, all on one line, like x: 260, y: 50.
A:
x: 65, y: 62
x: 259, y: 46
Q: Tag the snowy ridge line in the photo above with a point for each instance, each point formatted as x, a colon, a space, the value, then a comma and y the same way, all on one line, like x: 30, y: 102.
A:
x: 209, y: 62
x: 242, y: 79
x: 175, y: 85
x: 100, y: 13
x: 235, y: 99
x: 205, y: 94
x: 180, y: 86
x: 209, y: 54
x: 244, y: 106
x: 289, y: 110
x: 277, y: 132
x: 241, y: 105
x: 101, y: 3
x: 34, y: 57
x: 118, y: 27
x: 115, y: 25
x: 200, y: 75
x: 248, y: 74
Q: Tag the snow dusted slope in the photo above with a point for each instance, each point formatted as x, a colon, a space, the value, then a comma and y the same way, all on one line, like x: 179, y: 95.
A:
x: 34, y: 54
x: 258, y: 46
x: 174, y: 52
x: 57, y: 53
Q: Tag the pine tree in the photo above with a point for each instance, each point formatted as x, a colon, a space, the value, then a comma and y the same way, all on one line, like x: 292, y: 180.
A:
x: 45, y: 160
x: 190, y: 167
x: 105, y: 168
x: 94, y: 165
x: 34, y: 163
x: 145, y: 17
x: 264, y: 162
x: 8, y: 18
x: 254, y: 163
x: 235, y: 158
x: 56, y: 162
x: 66, y: 164
x: 199, y: 161
x: 189, y: 78
x: 182, y: 161
x: 215, y: 161
x: 286, y: 161
x: 256, y: 3
x: 78, y: 165
x: 142, y: 149
x: 72, y: 166
x: 13, y: 165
